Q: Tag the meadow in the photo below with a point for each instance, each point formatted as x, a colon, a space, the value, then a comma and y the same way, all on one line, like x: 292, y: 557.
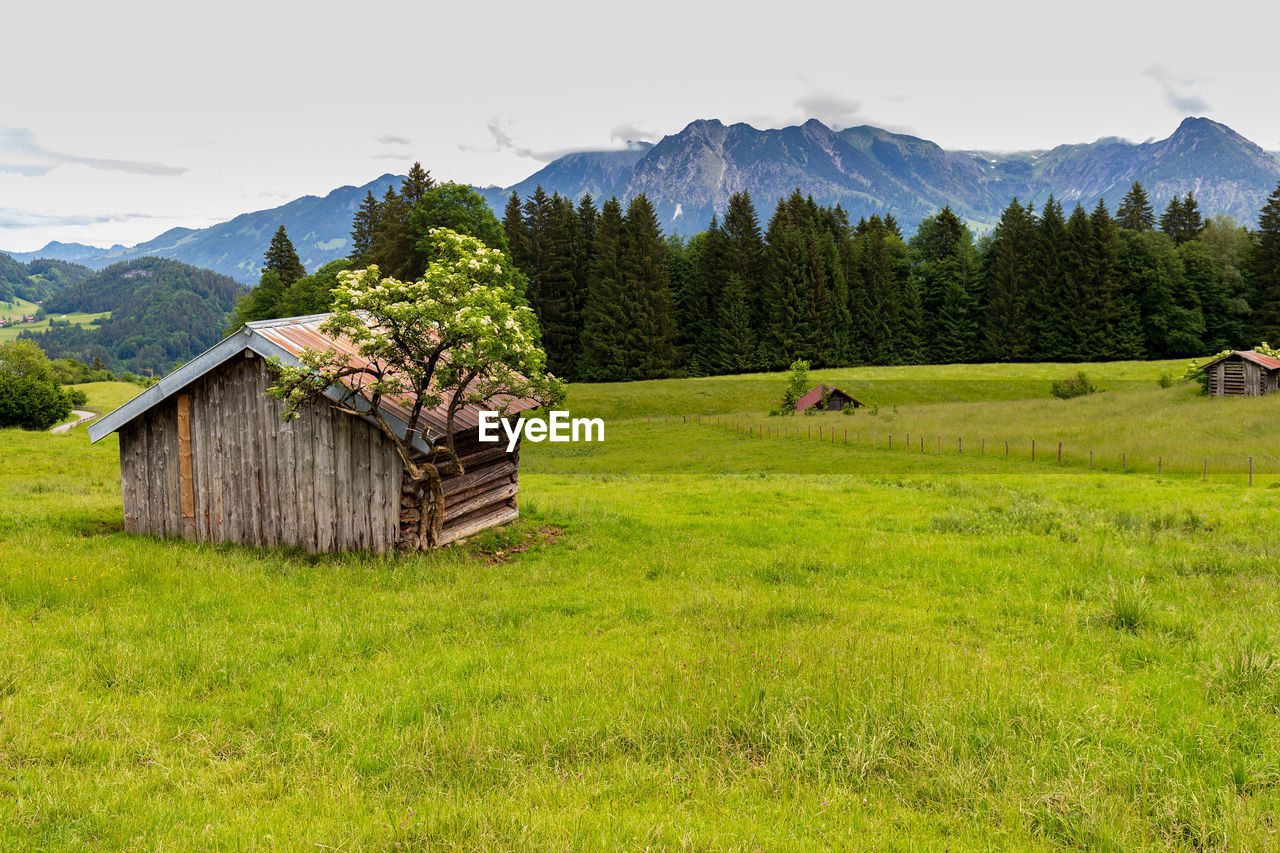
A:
x: 19, y: 307
x: 694, y: 639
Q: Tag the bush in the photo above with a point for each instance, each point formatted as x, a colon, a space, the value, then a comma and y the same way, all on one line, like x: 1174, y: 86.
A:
x: 29, y: 403
x: 1165, y: 380
x: 1074, y: 386
x: 29, y: 393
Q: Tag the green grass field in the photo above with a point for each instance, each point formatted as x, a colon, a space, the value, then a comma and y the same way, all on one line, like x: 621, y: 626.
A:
x: 20, y: 307
x: 713, y: 642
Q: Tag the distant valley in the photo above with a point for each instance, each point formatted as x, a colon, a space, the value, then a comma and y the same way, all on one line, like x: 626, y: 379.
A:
x: 690, y: 175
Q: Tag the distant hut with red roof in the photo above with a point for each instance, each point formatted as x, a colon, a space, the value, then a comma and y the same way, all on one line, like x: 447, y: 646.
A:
x: 1242, y: 373
x: 826, y: 398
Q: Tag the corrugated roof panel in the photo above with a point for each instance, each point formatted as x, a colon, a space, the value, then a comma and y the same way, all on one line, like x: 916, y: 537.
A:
x: 295, y: 335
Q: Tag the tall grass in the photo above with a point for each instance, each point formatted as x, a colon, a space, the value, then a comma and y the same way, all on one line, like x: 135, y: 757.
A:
x: 734, y: 644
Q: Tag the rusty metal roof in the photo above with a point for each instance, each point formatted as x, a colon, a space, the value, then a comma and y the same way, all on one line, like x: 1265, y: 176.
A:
x: 287, y: 339
x: 1249, y: 355
x: 814, y: 395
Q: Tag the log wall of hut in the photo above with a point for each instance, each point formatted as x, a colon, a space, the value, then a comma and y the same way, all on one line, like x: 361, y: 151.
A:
x: 484, y: 495
x: 1239, y: 377
x: 215, y: 463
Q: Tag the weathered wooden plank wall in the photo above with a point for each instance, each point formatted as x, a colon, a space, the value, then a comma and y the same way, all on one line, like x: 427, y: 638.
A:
x: 325, y: 481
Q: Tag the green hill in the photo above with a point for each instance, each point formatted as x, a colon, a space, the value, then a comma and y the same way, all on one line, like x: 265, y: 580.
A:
x: 162, y: 312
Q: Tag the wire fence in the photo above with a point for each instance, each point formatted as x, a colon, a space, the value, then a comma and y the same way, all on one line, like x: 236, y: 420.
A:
x: 935, y: 444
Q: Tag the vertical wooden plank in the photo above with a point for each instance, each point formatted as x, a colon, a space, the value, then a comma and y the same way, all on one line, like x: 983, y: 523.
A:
x: 266, y: 438
x: 174, y: 480
x: 290, y: 504
x: 342, y: 481
x: 198, y: 482
x: 186, y: 468
x: 324, y: 476
x: 304, y: 477
x: 156, y: 449
x: 143, y: 455
x: 228, y: 503
x: 129, y: 478
x: 252, y: 468
x: 361, y: 480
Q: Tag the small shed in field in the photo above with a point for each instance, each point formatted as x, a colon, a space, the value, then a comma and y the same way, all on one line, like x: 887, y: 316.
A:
x: 205, y: 455
x: 835, y: 400
x: 1243, y: 373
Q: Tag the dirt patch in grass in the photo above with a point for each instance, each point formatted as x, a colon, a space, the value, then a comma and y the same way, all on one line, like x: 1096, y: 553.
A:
x: 505, y: 548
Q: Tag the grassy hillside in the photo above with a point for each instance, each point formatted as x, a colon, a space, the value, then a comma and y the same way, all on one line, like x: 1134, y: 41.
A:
x: 886, y: 386
x: 714, y: 642
x: 77, y: 318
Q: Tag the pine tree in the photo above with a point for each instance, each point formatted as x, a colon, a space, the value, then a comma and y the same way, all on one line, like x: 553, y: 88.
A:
x: 1265, y: 325
x: 1048, y: 285
x: 651, y: 340
x: 416, y: 184
x: 363, y: 225
x: 734, y: 338
x: 1134, y: 212
x: 282, y: 259
x: 943, y: 260
x: 1192, y: 220
x: 745, y: 252
x: 1171, y: 221
x: 392, y: 246
x: 1008, y: 264
x: 517, y: 235
x: 606, y: 314
x: 698, y: 302
x: 1103, y: 337
x: 557, y: 305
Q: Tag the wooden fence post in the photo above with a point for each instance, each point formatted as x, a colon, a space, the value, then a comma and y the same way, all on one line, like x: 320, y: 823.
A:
x: 1124, y: 461
x: 1033, y: 450
x: 1059, y: 451
x: 846, y: 436
x: 1091, y: 460
x: 891, y: 441
x: 1250, y: 470
x: 960, y: 446
x: 983, y: 451
x: 1204, y: 478
x: 908, y: 442
x: 1006, y: 448
x: 1159, y: 465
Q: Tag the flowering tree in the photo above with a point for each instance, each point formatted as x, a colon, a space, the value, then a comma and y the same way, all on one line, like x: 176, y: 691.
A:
x: 461, y: 335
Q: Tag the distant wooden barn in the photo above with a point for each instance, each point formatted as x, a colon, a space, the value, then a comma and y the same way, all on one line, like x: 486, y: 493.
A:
x: 836, y: 400
x: 205, y: 455
x: 1243, y: 373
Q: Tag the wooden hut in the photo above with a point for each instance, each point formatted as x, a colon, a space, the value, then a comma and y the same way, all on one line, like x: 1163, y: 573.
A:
x: 205, y: 455
x: 826, y: 399
x: 1243, y: 373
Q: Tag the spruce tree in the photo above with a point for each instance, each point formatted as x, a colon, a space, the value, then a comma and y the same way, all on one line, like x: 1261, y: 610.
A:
x: 1104, y: 339
x: 1134, y: 212
x: 1048, y: 285
x: 1008, y: 264
x: 517, y: 236
x: 363, y: 225
x: 416, y: 184
x: 1265, y: 325
x: 745, y: 252
x: 944, y: 261
x: 651, y: 340
x: 697, y: 303
x: 282, y: 259
x: 734, y: 338
x: 392, y: 246
x: 606, y: 315
x: 1171, y: 221
x: 1192, y: 220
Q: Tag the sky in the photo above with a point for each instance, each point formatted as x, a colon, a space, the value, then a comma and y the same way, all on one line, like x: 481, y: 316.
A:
x: 121, y: 120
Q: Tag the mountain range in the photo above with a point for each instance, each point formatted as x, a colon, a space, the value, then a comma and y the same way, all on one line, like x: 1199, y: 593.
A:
x: 690, y: 175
